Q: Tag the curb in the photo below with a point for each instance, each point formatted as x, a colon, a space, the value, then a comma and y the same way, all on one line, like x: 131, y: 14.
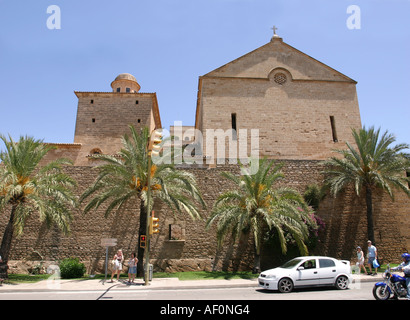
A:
x: 156, y: 284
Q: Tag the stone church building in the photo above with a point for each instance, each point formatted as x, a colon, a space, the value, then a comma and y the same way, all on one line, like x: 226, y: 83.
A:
x: 302, y: 110
x: 302, y: 107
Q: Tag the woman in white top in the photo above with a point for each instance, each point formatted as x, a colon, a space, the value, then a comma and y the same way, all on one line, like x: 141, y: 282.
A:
x: 360, y: 259
x: 117, y: 265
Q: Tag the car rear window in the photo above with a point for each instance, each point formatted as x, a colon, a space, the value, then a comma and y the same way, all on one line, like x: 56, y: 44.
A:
x: 326, y: 263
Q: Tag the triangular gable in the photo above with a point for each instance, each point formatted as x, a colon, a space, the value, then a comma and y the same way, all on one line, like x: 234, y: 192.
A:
x: 276, y: 54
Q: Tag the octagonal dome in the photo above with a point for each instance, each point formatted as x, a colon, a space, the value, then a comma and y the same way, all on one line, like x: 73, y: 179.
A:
x: 126, y: 76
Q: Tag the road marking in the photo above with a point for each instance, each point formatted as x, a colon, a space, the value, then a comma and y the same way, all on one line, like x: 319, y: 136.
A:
x: 113, y: 290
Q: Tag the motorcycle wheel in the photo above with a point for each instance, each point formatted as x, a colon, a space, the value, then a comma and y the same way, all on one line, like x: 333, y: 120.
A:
x: 381, y: 293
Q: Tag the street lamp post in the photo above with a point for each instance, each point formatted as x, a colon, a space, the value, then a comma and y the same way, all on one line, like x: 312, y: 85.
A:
x: 147, y: 246
x: 153, y: 147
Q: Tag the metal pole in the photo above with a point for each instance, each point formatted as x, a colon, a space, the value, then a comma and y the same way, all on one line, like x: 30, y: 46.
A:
x: 106, y: 263
x: 148, y: 220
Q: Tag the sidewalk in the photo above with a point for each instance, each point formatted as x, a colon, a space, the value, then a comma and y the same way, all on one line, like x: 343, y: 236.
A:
x: 155, y: 284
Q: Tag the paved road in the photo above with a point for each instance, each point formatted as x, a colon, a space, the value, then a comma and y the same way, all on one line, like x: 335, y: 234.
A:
x: 361, y: 292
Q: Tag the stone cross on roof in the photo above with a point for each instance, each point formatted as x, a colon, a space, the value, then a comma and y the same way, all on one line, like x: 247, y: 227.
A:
x: 275, y: 36
x: 274, y: 30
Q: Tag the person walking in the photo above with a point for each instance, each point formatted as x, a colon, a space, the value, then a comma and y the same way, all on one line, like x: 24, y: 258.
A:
x: 371, y: 257
x: 132, y: 267
x: 117, y: 265
x: 360, y: 259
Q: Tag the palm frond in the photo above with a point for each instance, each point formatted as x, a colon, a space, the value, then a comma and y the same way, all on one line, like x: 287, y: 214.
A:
x: 257, y: 204
x: 125, y: 177
x: 30, y: 187
x: 373, y: 161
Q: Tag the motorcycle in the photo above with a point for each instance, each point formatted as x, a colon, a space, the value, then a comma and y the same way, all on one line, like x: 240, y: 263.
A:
x: 393, y: 284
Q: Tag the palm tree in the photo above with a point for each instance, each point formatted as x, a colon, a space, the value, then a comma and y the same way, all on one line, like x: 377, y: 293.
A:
x: 374, y: 163
x: 256, y: 205
x: 124, y: 177
x: 27, y: 187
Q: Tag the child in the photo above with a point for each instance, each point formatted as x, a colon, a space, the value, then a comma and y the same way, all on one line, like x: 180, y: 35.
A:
x: 132, y: 268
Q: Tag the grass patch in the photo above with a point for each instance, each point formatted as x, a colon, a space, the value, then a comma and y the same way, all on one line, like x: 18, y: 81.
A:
x: 188, y: 275
x: 206, y: 275
x: 26, y: 278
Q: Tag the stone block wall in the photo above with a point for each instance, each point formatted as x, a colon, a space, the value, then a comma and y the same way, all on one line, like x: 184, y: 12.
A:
x: 191, y: 247
x: 294, y: 119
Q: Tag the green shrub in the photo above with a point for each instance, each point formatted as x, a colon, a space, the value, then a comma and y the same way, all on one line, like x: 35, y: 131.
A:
x: 314, y: 195
x: 71, y: 268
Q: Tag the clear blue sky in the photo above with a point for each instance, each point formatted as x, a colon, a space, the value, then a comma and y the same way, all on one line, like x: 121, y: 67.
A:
x: 168, y: 44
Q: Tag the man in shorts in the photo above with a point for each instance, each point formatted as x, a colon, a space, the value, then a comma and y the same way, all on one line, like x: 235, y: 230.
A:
x: 371, y: 256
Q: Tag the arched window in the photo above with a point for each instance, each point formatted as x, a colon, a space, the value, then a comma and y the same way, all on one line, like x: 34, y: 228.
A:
x: 96, y: 151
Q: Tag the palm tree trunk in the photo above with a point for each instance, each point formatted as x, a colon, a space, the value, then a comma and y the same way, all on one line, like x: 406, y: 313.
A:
x: 142, y: 231
x: 369, y: 206
x: 6, y: 244
x: 256, y: 263
x: 257, y: 234
x: 257, y: 258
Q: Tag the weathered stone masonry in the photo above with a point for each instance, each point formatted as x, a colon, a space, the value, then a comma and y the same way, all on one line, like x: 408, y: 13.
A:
x: 196, y: 248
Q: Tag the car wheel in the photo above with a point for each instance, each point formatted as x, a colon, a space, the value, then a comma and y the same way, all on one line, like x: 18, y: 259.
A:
x: 285, y: 285
x: 342, y: 283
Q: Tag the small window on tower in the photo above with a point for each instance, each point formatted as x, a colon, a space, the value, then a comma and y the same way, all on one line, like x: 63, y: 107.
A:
x: 93, y: 120
x: 92, y: 101
x: 127, y: 90
x: 118, y: 89
x: 96, y: 151
x: 136, y: 102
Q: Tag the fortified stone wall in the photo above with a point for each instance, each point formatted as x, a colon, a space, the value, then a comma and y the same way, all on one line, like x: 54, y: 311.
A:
x: 183, y: 244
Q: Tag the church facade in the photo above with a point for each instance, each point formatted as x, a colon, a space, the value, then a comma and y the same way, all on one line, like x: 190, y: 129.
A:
x: 301, y: 110
x: 301, y: 107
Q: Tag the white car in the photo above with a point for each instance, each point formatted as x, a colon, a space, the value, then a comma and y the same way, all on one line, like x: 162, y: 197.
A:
x: 307, y: 271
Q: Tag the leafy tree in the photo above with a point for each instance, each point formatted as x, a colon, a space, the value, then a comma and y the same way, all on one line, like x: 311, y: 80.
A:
x: 26, y: 187
x: 124, y: 177
x: 257, y: 205
x: 373, y: 163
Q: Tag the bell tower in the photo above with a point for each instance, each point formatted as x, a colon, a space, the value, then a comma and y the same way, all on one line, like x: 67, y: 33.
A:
x: 103, y: 117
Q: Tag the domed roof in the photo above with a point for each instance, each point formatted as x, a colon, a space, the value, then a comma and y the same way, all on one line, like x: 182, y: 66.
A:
x: 125, y: 82
x: 125, y: 76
